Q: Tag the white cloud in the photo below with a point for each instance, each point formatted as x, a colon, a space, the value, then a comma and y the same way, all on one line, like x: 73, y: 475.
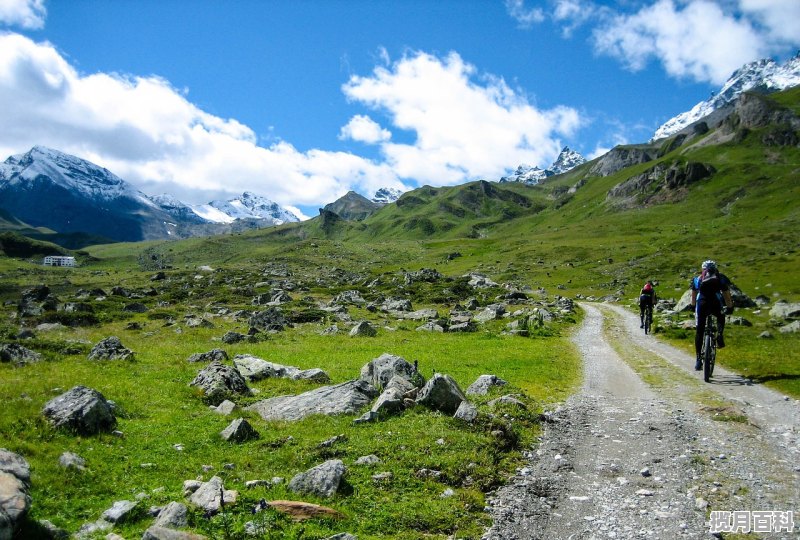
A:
x: 364, y: 129
x: 148, y: 132
x: 525, y: 17
x: 465, y: 128
x: 28, y: 14
x: 779, y: 18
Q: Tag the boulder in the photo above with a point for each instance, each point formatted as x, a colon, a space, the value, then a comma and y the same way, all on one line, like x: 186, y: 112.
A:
x: 462, y: 327
x: 135, y: 307
x: 379, y: 372
x: 119, y: 512
x: 741, y: 300
x: 214, y: 355
x: 253, y: 368
x: 484, y: 384
x: 313, y: 374
x: 225, y: 408
x: 70, y: 460
x: 466, y: 412
x: 791, y: 328
x: 172, y: 516
x: 163, y: 533
x: 239, y: 431
x: 15, y: 501
x: 685, y: 303
x: 323, y: 480
x: 389, y: 402
x: 785, y: 310
x: 18, y: 355
x: 82, y: 410
x: 348, y: 297
x: 197, y: 322
x: 219, y: 382
x: 110, y: 348
x: 480, y: 281
x: 231, y: 337
x: 210, y: 496
x: 441, y: 393
x: 271, y: 319
x: 301, y: 511
x: 344, y: 398
x: 363, y: 329
x: 420, y: 315
x: 396, y: 304
x: 430, y: 326
x: 427, y: 275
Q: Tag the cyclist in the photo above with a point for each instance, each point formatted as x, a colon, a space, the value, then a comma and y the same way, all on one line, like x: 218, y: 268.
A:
x: 647, y: 298
x: 709, y: 289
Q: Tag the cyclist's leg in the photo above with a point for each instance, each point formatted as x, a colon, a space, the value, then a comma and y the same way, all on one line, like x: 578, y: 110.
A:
x: 641, y: 314
x: 720, y: 327
x: 700, y: 322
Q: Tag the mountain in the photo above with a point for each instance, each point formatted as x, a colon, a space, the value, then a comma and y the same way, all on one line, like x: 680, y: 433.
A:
x: 386, y: 195
x: 763, y: 76
x: 78, y: 202
x: 567, y: 160
x: 353, y: 207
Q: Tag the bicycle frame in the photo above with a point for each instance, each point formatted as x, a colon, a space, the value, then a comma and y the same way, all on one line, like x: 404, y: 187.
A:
x: 709, y: 350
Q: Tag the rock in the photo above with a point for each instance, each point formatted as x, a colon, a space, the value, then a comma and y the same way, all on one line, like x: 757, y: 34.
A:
x: 239, y: 431
x: 484, y: 384
x: 348, y: 297
x: 507, y: 400
x: 491, y: 313
x: 765, y: 335
x: 214, y: 355
x: 163, y: 533
x: 301, y: 511
x: 253, y: 369
x: 52, y: 532
x: 741, y: 300
x: 685, y: 303
x: 18, y: 355
x: 92, y: 529
x: 784, y: 310
x: 427, y: 275
x: 345, y: 398
x: 225, y: 408
x: 466, y: 412
x: 15, y: 501
x: 271, y: 319
x: 420, y: 315
x: 369, y: 460
x: 110, y: 348
x: 396, y: 304
x: 389, y: 402
x: 314, y: 374
x: 198, y: 322
x: 173, y: 516
x: 761, y: 300
x: 119, y: 512
x: 331, y: 330
x: 210, y: 496
x: 69, y: 460
x: 739, y: 321
x: 480, y: 281
x: 190, y: 486
x: 791, y: 328
x: 342, y: 536
x: 379, y: 371
x: 82, y: 410
x: 441, y: 393
x: 462, y: 327
x: 231, y: 337
x: 135, y: 307
x: 363, y: 328
x: 323, y: 480
x: 430, y: 326
x: 219, y: 382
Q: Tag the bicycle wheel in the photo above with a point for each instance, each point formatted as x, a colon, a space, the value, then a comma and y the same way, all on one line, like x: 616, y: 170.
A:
x: 648, y: 321
x: 709, y: 354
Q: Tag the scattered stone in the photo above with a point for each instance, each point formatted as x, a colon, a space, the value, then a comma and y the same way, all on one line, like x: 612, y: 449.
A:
x: 342, y: 536
x: 396, y: 304
x: 462, y: 327
x: 239, y: 431
x: 791, y: 328
x: 441, y: 393
x: 348, y: 297
x: 480, y: 281
x: 15, y: 500
x: 507, y: 400
x: 271, y: 319
x: 302, y: 511
x: 210, y: 495
x: 119, y: 512
x: 214, y: 355
x: 135, y: 307
x: 198, y: 322
x: 110, y: 348
x: 231, y: 337
x: 491, y: 313
x: 430, y: 326
x: 81, y: 409
x: 323, y: 480
x: 18, y: 355
x: 345, y: 398
x: 190, y: 486
x: 163, y: 533
x: 172, y: 516
x: 225, y: 408
x: 363, y: 329
x: 51, y: 531
x: 331, y: 330
x: 369, y: 460
x: 765, y: 335
x: 645, y: 472
x: 69, y: 460
x: 382, y: 477
x: 90, y: 530
x: 740, y: 321
x: 484, y: 384
x: 218, y: 382
x: 466, y: 412
x: 785, y: 310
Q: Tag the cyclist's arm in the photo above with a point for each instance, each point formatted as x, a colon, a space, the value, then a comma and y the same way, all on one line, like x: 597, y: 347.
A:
x: 694, y: 298
x: 726, y: 295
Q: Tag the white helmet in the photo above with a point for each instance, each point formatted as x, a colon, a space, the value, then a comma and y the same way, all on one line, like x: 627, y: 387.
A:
x: 709, y: 265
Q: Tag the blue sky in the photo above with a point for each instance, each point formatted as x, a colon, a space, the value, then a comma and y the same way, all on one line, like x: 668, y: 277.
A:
x: 301, y: 101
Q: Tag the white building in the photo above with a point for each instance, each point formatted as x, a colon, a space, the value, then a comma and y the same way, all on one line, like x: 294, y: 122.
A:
x: 58, y: 260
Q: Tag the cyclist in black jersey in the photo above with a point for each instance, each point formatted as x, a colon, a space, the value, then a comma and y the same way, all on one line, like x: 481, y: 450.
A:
x: 709, y: 290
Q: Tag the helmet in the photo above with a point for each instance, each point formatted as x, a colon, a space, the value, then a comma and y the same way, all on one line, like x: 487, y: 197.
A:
x: 710, y: 267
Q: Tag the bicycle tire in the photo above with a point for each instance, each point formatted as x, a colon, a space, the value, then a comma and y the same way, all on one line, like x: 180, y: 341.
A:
x: 708, y: 357
x: 648, y: 320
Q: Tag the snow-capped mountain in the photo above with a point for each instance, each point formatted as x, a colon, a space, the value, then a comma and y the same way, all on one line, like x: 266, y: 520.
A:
x: 248, y: 206
x: 567, y: 160
x: 764, y: 76
x: 48, y: 188
x: 386, y: 195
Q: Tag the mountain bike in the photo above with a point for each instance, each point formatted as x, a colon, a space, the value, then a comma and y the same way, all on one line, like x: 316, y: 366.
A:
x: 648, y: 318
x: 708, y: 353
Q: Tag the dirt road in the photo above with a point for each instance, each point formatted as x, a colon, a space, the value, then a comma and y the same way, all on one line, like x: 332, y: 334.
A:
x: 628, y: 459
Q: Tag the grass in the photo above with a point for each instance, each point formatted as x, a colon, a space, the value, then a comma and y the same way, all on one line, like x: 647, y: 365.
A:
x: 158, y: 410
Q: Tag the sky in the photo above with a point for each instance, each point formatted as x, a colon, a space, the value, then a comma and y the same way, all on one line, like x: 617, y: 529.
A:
x: 301, y: 101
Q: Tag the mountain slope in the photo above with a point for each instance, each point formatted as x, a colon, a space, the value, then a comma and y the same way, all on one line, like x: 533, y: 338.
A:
x: 353, y: 206
x: 567, y: 160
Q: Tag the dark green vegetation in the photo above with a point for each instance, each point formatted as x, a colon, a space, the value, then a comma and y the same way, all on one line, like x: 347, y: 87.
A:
x: 729, y: 192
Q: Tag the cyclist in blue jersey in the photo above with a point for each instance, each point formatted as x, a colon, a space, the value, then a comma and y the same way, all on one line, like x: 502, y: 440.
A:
x: 709, y: 290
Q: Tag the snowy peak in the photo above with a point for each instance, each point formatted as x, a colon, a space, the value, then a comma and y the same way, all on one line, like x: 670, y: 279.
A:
x: 386, y: 195
x: 764, y: 76
x: 567, y: 160
x: 247, y: 206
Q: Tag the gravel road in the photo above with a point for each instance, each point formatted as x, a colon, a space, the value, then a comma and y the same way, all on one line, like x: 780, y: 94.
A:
x: 624, y: 459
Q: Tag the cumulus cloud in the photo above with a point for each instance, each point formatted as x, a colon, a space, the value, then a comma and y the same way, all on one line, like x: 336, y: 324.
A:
x: 467, y: 125
x: 364, y: 129
x: 149, y: 133
x: 29, y: 14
